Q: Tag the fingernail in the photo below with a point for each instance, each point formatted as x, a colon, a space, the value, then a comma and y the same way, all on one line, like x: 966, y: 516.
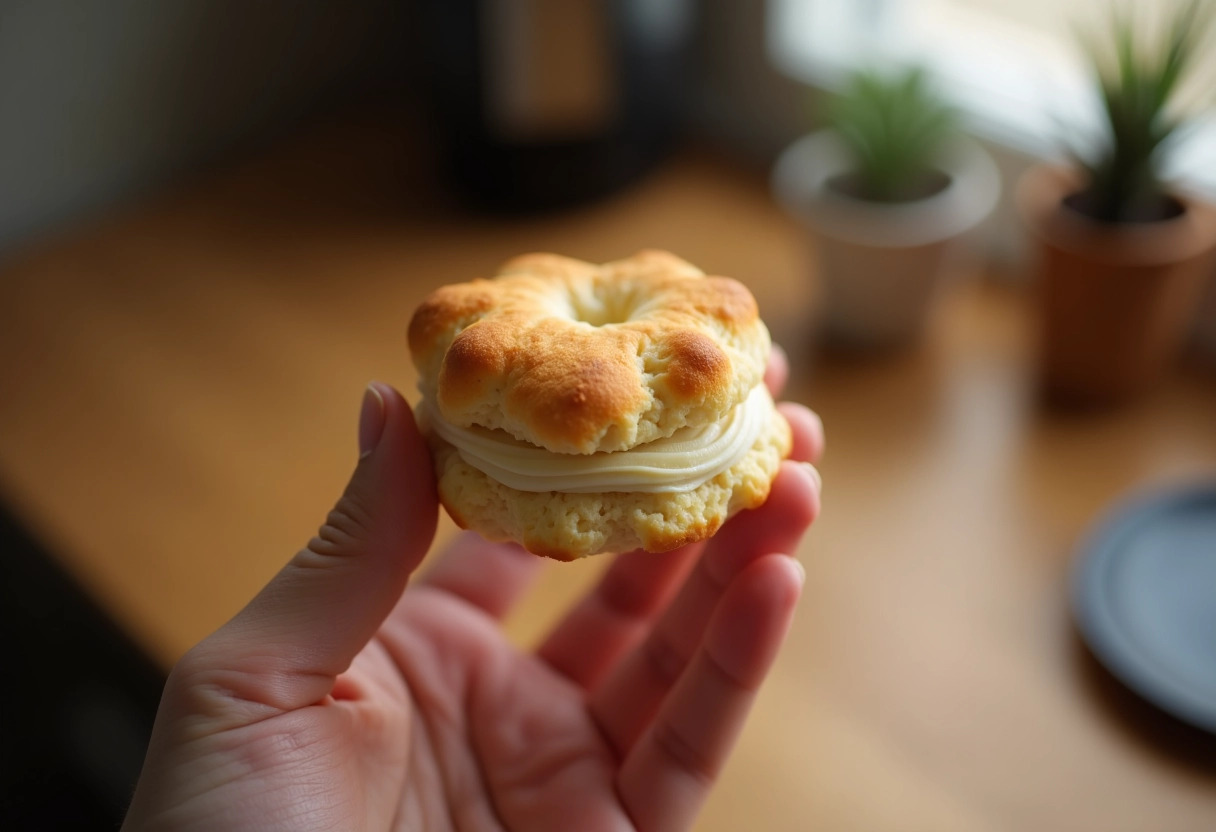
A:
x: 371, y: 420
x: 816, y: 476
x: 801, y: 570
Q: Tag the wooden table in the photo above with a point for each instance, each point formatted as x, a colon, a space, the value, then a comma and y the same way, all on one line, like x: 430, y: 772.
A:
x: 177, y: 411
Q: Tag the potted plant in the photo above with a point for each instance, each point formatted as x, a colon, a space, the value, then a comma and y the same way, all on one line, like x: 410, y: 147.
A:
x: 1121, y: 257
x: 888, y: 190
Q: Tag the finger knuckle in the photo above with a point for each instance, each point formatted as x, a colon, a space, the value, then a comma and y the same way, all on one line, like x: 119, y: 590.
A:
x: 342, y: 534
x: 663, y: 659
x: 684, y: 754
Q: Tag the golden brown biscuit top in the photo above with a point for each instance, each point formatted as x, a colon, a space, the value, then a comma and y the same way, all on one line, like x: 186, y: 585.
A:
x: 578, y: 358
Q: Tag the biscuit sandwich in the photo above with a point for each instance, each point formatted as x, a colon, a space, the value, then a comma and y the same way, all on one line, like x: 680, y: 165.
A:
x: 579, y: 408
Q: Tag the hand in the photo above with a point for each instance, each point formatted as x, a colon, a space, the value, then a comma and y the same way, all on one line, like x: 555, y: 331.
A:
x: 336, y: 701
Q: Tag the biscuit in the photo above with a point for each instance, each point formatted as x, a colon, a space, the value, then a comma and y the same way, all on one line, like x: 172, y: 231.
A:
x: 580, y: 409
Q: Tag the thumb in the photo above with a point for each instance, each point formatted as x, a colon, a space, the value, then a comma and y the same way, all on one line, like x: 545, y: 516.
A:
x: 306, y: 626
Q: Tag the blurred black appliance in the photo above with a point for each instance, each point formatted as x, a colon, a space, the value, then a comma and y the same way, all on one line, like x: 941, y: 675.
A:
x: 541, y: 104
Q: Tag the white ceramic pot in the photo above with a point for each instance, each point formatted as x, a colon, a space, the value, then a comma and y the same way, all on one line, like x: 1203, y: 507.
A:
x: 880, y: 265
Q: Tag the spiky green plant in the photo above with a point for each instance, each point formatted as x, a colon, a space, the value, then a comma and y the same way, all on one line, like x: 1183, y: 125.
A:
x: 1138, y: 82
x: 893, y: 126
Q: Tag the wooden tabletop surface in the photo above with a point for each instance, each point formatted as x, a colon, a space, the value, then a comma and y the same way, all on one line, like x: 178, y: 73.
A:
x: 177, y: 411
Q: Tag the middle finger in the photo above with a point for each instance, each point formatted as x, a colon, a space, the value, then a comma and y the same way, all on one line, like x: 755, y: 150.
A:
x: 632, y: 692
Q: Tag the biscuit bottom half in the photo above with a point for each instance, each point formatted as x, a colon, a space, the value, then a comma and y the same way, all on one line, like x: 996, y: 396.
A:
x: 570, y: 526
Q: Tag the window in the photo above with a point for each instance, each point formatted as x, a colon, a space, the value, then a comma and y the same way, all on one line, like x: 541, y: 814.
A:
x: 1013, y: 67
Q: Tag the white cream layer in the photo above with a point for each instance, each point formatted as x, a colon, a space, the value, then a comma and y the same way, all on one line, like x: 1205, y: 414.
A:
x: 680, y: 462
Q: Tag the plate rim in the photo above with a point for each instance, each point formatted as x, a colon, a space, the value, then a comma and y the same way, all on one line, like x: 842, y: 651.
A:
x: 1103, y: 630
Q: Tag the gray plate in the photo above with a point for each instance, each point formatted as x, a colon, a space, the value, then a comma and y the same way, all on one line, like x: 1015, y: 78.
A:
x: 1144, y: 595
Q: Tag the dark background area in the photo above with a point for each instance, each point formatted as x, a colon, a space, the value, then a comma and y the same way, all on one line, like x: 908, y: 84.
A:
x: 78, y: 703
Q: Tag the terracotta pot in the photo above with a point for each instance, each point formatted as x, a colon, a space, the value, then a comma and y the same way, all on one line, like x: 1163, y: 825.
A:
x: 1205, y: 331
x: 1115, y: 301
x: 880, y: 265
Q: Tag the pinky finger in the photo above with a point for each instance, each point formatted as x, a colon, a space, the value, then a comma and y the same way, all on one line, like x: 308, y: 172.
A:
x: 668, y: 773
x: 807, y: 429
x: 777, y: 371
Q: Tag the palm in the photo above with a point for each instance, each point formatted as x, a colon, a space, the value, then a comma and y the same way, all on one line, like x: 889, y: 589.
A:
x: 495, y: 735
x: 435, y: 701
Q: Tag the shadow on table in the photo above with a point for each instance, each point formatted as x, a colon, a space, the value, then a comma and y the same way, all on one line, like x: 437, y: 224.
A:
x: 78, y: 702
x: 1146, y: 724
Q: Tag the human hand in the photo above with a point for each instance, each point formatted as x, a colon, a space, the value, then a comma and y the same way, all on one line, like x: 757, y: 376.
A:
x: 336, y: 701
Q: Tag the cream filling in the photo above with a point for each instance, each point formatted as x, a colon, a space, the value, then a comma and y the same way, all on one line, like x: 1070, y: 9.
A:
x: 681, y: 462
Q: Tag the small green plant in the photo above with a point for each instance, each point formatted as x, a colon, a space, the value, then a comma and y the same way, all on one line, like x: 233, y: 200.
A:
x: 1138, y: 82
x: 893, y: 126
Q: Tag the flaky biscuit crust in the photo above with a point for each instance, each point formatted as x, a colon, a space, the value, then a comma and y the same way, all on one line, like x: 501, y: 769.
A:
x: 579, y: 358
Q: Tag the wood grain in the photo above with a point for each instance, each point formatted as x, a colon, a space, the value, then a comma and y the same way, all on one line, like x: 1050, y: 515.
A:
x: 177, y: 411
